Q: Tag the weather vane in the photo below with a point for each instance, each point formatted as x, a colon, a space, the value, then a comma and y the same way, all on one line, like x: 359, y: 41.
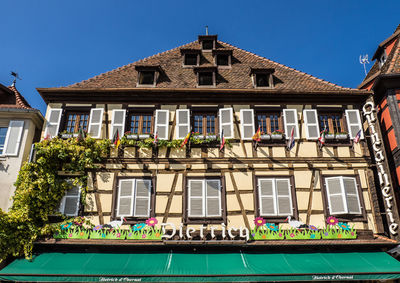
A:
x: 363, y: 61
x: 15, y: 75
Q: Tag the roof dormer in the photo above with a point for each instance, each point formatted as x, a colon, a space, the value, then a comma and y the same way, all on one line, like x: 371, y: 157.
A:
x: 147, y: 75
x: 208, y: 42
x: 262, y: 77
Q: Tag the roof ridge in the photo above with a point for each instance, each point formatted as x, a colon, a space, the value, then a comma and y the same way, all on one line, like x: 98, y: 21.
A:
x: 21, y: 101
x: 131, y: 64
x: 395, y: 56
x: 290, y: 68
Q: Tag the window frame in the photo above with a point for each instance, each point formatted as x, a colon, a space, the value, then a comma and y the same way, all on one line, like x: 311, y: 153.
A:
x: 5, y: 138
x: 264, y: 110
x: 64, y: 117
x: 139, y: 111
x: 270, y: 79
x: 203, y: 112
x: 342, y: 112
x: 204, y: 220
x: 344, y: 217
x: 131, y: 220
x: 199, y: 73
x: 63, y: 200
x: 197, y: 59
x: 275, y: 219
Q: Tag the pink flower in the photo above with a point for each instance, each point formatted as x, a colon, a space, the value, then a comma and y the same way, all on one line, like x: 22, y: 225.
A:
x: 259, y: 221
x: 70, y: 235
x: 151, y: 221
x: 331, y: 220
x: 291, y: 235
x: 280, y: 234
x: 118, y: 235
x: 144, y: 236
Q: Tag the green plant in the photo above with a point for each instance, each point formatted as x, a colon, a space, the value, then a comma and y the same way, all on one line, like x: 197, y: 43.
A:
x: 263, y: 233
x: 39, y: 190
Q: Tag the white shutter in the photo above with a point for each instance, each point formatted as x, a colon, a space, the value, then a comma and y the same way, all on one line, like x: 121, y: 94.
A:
x: 196, y: 195
x: 13, y: 138
x: 162, y: 124
x: 182, y: 127
x: 142, y: 198
x: 247, y: 123
x: 290, y: 121
x: 352, y: 197
x: 283, y: 197
x: 226, y: 122
x: 336, y: 196
x: 213, y: 198
x: 70, y: 202
x: 53, y: 123
x: 118, y: 122
x: 95, y: 122
x: 266, y: 197
x: 126, y: 191
x: 354, y: 123
x: 311, y: 124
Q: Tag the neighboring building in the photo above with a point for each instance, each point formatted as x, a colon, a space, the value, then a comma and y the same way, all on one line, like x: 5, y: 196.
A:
x: 208, y: 200
x: 20, y: 127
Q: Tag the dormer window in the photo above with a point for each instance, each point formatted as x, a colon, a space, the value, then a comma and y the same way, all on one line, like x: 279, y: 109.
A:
x: 208, y: 42
x: 147, y: 75
x: 382, y: 58
x: 262, y: 77
x: 206, y: 76
x: 223, y: 60
x: 191, y: 59
x: 222, y: 57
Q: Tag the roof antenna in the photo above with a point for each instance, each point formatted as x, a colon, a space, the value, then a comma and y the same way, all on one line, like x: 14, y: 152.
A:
x: 15, y: 75
x: 206, y: 30
x: 363, y: 61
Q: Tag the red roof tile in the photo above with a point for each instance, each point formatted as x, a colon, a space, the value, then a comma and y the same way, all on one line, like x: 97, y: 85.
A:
x: 19, y: 102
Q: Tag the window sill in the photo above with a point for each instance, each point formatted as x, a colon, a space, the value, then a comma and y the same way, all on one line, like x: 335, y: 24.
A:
x: 205, y: 221
x: 206, y: 86
x: 149, y: 85
x: 350, y: 218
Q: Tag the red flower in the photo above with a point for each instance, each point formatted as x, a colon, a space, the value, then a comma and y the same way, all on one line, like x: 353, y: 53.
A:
x: 151, y: 221
x: 331, y: 220
x: 259, y: 221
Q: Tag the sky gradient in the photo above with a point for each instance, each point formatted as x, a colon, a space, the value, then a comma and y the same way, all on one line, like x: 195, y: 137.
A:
x: 58, y: 43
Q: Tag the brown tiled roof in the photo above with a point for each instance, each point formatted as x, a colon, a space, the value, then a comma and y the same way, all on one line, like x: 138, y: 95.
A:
x: 20, y: 101
x: 392, y: 64
x: 173, y: 75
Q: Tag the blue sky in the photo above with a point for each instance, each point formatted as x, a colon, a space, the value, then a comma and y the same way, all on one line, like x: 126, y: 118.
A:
x: 57, y: 43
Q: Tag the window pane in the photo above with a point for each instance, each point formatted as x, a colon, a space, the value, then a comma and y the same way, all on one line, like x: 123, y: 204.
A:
x: 262, y: 80
x: 267, y: 206
x: 208, y: 44
x: 212, y: 188
x: 3, y: 133
x: 222, y: 60
x: 146, y: 78
x: 190, y: 59
x: 206, y: 78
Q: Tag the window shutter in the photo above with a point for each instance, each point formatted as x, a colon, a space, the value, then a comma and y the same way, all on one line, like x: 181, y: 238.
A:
x: 247, y: 123
x: 142, y: 198
x: 335, y: 193
x: 311, y: 123
x: 70, y: 202
x: 95, y: 122
x: 13, y: 138
x: 162, y: 124
x: 226, y: 122
x: 196, y: 198
x: 352, y: 197
x: 266, y: 196
x: 284, y: 197
x: 125, y: 197
x: 213, y: 199
x: 354, y: 123
x: 118, y: 122
x: 182, y: 123
x: 53, y: 124
x: 290, y: 121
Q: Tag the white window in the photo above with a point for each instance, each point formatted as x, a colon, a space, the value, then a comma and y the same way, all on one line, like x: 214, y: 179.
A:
x: 354, y: 123
x: 162, y: 124
x: 95, y: 122
x: 13, y: 138
x: 290, y: 121
x: 311, y: 124
x: 53, y: 123
x: 118, y: 122
x: 274, y: 197
x: 182, y: 127
x: 69, y: 205
x: 247, y: 123
x: 134, y: 198
x: 342, y: 194
x: 226, y: 122
x: 204, y: 198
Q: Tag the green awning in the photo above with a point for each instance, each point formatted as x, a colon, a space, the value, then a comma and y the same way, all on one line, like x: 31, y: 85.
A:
x: 203, y: 267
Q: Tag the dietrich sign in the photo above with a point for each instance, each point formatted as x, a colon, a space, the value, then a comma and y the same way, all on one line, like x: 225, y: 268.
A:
x: 369, y: 111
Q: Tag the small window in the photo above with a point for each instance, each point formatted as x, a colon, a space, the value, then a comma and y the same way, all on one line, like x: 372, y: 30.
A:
x: 205, y: 123
x: 262, y: 80
x: 140, y: 123
x: 190, y: 59
x: 206, y: 78
x: 332, y: 121
x: 3, y: 134
x: 269, y: 121
x: 69, y: 205
x: 274, y: 196
x: 134, y: 198
x: 204, y: 198
x: 223, y: 59
x: 382, y: 58
x: 75, y: 121
x: 208, y: 44
x: 146, y: 77
x: 342, y: 195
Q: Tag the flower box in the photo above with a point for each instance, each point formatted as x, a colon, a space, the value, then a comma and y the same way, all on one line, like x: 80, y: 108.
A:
x: 132, y: 137
x: 199, y: 137
x: 69, y: 135
x: 144, y: 136
x: 341, y: 136
x: 211, y: 137
x: 329, y: 136
x: 276, y: 136
x: 265, y: 137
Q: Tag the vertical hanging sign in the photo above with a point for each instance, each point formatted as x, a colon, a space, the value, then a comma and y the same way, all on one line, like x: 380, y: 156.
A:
x: 369, y: 112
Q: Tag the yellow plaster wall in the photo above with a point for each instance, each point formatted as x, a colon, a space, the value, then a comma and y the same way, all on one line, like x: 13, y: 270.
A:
x: 232, y: 203
x: 106, y: 202
x: 164, y: 182
x: 278, y: 151
x: 307, y: 149
x: 248, y: 201
x: 302, y: 179
x: 176, y: 204
x: 317, y: 203
x: 161, y: 203
x: 105, y: 180
x: 302, y: 200
x: 90, y: 205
